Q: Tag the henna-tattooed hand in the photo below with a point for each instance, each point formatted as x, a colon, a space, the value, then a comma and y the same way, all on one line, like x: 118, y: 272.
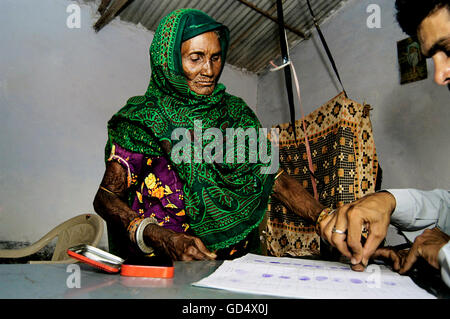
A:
x: 178, y: 246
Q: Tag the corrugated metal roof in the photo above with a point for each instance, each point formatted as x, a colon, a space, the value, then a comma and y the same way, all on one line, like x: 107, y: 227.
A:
x: 254, y: 37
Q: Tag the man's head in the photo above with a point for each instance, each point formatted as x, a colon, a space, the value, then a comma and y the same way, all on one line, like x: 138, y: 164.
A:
x: 430, y: 21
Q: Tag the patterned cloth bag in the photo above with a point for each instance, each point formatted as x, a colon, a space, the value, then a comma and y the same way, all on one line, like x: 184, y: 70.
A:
x: 345, y: 168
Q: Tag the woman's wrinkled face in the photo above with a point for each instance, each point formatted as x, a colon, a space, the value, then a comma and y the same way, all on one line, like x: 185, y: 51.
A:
x: 202, y: 62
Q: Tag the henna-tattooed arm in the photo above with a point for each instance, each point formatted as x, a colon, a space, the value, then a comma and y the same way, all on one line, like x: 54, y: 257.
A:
x: 295, y: 197
x: 110, y: 204
x: 110, y: 200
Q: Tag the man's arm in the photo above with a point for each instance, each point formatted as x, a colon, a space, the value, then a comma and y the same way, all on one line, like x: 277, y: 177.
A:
x: 416, y: 210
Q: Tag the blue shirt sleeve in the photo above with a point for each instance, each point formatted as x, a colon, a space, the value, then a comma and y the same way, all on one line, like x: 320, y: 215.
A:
x: 417, y: 210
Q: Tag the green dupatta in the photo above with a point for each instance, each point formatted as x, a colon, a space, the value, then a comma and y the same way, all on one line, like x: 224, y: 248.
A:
x: 224, y: 202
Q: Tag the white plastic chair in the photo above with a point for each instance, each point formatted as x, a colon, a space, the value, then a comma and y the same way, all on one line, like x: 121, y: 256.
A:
x: 82, y: 229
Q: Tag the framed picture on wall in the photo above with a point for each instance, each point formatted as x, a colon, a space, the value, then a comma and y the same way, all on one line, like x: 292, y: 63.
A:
x: 413, y: 65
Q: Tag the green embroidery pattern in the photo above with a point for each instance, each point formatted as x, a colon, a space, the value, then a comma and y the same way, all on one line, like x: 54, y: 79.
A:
x: 224, y: 201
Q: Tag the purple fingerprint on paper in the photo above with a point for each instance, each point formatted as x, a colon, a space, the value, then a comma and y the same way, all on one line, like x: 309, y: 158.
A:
x: 241, y: 271
x: 285, y: 277
x: 267, y: 275
x: 308, y: 265
x: 275, y: 262
x: 338, y: 280
x: 259, y: 261
x: 321, y: 278
x: 356, y: 281
x: 304, y: 278
x: 390, y: 283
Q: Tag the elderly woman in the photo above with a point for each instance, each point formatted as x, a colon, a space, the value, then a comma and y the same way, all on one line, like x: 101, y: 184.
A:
x: 188, y: 210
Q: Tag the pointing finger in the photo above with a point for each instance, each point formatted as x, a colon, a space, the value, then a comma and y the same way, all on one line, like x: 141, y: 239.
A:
x: 376, y: 235
x: 355, y: 225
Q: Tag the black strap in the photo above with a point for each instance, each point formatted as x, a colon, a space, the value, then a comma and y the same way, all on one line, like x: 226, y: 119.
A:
x: 325, y: 45
x: 288, y: 74
x: 287, y: 70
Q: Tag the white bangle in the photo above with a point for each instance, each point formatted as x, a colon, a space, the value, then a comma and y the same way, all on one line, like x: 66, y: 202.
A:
x: 140, y: 235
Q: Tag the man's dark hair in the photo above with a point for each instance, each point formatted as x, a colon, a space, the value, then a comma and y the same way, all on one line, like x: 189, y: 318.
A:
x: 411, y: 13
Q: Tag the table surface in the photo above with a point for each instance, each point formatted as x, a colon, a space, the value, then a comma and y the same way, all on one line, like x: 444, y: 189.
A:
x: 50, y: 281
x: 31, y: 281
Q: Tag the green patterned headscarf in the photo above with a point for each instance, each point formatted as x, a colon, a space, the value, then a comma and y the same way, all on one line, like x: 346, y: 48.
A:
x: 224, y: 202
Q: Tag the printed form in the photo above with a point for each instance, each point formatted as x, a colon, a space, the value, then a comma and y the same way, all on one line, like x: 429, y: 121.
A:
x: 311, y: 279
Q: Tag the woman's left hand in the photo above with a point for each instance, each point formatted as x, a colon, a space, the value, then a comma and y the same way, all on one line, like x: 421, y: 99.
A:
x: 178, y: 246
x: 186, y: 248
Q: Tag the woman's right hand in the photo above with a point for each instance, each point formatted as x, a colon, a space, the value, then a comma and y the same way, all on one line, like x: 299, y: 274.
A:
x: 179, y: 246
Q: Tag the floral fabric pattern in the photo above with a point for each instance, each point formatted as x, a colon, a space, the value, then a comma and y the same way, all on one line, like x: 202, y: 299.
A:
x: 157, y: 190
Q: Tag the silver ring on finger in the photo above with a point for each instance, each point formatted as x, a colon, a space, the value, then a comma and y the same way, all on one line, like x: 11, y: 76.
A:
x: 337, y: 231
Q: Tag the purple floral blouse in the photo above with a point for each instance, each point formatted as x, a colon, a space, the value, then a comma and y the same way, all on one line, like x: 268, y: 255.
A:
x: 159, y: 190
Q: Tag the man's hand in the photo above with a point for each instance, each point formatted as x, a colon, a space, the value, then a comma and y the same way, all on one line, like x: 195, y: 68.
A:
x: 178, y: 246
x: 373, y: 212
x: 426, y: 246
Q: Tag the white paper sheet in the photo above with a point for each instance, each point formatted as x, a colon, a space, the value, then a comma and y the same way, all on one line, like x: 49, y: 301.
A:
x: 303, y: 278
